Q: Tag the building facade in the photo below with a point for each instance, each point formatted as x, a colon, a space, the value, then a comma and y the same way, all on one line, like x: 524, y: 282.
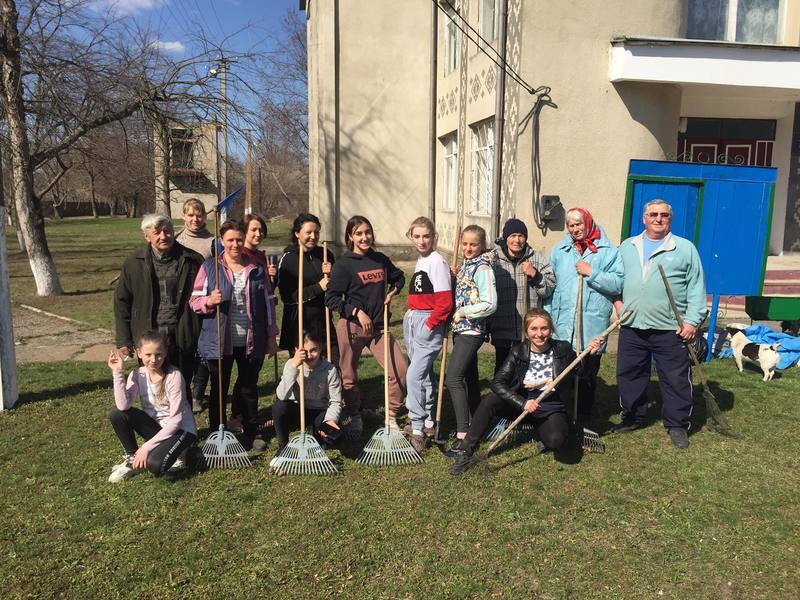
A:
x: 410, y: 113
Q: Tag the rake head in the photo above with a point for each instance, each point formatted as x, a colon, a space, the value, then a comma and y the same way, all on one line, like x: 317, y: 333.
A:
x: 591, y: 442
x: 303, y: 456
x: 522, y: 433
x: 222, y: 450
x: 388, y: 447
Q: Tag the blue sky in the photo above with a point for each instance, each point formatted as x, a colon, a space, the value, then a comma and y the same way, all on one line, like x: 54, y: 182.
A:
x: 245, y: 24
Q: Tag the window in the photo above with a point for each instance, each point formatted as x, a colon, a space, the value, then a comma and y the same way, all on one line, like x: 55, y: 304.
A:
x: 182, y: 149
x: 449, y: 171
x: 480, y: 197
x: 487, y: 19
x: 747, y: 21
x: 451, y: 42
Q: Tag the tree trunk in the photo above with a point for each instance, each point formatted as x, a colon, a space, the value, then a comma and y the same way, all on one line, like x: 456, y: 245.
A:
x: 92, y: 197
x: 8, y: 359
x: 161, y: 163
x: 29, y: 207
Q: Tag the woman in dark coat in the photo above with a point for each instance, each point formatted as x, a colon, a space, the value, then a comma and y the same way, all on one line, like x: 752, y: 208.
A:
x: 529, y: 367
x: 316, y: 272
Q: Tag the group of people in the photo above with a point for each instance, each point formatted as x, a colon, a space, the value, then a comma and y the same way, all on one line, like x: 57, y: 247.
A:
x: 190, y: 307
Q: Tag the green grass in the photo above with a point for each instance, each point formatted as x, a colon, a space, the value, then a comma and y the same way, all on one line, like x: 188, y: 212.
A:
x: 89, y: 253
x: 644, y: 520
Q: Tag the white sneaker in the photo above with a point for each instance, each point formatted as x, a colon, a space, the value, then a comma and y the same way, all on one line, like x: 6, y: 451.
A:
x: 393, y: 425
x: 122, y: 472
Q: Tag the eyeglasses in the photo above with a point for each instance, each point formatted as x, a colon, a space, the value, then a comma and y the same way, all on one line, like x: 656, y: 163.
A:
x: 663, y: 215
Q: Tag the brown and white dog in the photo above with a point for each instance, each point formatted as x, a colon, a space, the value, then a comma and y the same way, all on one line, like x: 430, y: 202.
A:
x: 763, y: 355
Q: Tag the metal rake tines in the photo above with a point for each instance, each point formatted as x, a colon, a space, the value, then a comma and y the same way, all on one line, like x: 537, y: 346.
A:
x: 303, y: 456
x: 388, y: 447
x: 523, y: 431
x: 592, y: 443
x: 222, y: 450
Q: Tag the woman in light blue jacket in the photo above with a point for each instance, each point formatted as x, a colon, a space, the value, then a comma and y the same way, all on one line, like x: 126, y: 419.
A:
x: 586, y: 255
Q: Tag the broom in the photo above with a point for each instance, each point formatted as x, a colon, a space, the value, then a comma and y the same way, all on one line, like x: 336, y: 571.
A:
x: 222, y: 450
x: 387, y: 446
x: 718, y: 422
x: 302, y: 455
x: 591, y: 439
x: 437, y: 435
x: 480, y: 457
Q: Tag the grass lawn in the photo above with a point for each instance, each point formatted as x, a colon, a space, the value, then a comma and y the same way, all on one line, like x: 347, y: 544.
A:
x: 644, y: 520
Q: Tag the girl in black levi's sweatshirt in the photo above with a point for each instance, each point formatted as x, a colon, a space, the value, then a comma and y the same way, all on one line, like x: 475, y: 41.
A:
x: 361, y: 282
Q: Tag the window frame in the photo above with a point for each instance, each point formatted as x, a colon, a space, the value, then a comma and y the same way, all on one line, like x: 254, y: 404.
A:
x: 731, y: 22
x: 482, y: 22
x: 482, y: 149
x: 452, y: 43
x: 449, y: 144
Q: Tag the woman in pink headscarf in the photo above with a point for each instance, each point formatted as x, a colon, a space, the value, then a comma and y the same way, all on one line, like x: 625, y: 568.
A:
x: 587, y: 256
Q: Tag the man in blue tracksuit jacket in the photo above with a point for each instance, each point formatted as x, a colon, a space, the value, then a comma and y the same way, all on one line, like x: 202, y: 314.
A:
x: 652, y: 330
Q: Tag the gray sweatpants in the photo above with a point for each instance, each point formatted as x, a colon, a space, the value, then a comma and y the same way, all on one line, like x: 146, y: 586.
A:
x: 422, y: 346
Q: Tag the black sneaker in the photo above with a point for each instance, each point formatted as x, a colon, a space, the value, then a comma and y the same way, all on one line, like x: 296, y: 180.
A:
x: 626, y: 427
x: 456, y: 450
x: 679, y: 437
x: 463, y: 464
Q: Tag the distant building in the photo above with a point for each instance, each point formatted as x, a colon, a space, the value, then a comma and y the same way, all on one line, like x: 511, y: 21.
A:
x: 693, y: 80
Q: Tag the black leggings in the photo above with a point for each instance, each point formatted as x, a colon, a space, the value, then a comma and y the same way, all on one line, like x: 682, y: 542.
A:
x: 551, y: 429
x: 249, y: 368
x: 462, y: 378
x: 286, y: 415
x: 587, y: 386
x: 127, y: 423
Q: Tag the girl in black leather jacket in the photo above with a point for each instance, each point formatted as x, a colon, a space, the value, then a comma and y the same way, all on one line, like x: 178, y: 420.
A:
x: 529, y: 367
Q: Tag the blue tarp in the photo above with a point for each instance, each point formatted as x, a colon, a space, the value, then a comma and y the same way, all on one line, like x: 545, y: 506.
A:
x: 788, y: 353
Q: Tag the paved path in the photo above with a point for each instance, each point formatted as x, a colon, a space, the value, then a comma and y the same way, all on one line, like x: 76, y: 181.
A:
x: 40, y: 336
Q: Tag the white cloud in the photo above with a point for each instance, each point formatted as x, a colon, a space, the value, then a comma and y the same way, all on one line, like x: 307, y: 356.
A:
x: 175, y: 47
x: 126, y: 7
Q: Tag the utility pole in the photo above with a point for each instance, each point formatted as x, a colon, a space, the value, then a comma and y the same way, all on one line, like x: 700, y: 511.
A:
x: 248, y: 192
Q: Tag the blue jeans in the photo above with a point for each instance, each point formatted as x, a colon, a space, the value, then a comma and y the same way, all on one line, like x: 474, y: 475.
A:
x: 422, y: 346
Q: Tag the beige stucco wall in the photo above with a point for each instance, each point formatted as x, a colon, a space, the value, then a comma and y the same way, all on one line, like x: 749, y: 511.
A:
x: 383, y: 115
x: 588, y: 141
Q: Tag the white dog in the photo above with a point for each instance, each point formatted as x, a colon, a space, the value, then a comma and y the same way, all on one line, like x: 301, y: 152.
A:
x: 763, y: 355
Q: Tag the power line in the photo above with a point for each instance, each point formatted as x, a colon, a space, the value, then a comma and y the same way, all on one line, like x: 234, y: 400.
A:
x: 497, y: 59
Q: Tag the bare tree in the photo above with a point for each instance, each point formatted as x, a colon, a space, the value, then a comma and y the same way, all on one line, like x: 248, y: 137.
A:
x: 68, y: 70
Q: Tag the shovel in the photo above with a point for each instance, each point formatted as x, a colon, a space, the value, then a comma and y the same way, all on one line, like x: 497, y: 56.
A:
x: 302, y: 455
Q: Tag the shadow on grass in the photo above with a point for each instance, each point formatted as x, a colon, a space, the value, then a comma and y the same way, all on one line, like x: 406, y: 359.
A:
x: 63, y: 392
x: 88, y: 292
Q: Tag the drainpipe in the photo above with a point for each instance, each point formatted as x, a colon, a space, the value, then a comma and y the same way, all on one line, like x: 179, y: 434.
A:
x: 432, y: 119
x: 499, y: 122
x: 336, y: 125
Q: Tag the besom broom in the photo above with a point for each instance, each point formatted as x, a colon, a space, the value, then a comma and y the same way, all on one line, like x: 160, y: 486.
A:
x: 302, y: 455
x: 387, y: 446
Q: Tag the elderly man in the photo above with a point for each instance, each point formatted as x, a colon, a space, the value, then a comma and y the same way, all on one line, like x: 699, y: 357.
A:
x: 153, y: 293
x: 652, y: 330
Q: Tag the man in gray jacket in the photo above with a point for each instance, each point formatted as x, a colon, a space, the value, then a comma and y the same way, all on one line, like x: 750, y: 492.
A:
x: 524, y: 279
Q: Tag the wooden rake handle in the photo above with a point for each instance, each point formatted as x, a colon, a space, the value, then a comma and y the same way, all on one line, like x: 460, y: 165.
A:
x: 440, y: 394
x: 327, y: 310
x: 552, y: 385
x: 301, y: 376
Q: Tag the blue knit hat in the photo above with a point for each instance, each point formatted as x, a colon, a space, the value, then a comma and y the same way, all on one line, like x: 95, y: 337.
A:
x: 513, y: 226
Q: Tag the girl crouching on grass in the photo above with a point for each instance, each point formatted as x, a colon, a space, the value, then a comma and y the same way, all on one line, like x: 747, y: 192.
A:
x: 165, y: 420
x: 528, y: 368
x: 430, y: 301
x: 475, y: 299
x: 322, y: 392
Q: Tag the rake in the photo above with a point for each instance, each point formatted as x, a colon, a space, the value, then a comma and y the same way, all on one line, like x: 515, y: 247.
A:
x: 221, y: 449
x: 302, y: 455
x: 327, y: 310
x: 718, y: 422
x: 480, y: 457
x: 590, y: 441
x: 437, y: 435
x: 387, y: 446
x: 524, y: 432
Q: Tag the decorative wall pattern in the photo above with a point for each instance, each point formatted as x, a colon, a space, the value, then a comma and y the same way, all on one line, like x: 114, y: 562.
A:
x: 508, y: 205
x: 463, y: 89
